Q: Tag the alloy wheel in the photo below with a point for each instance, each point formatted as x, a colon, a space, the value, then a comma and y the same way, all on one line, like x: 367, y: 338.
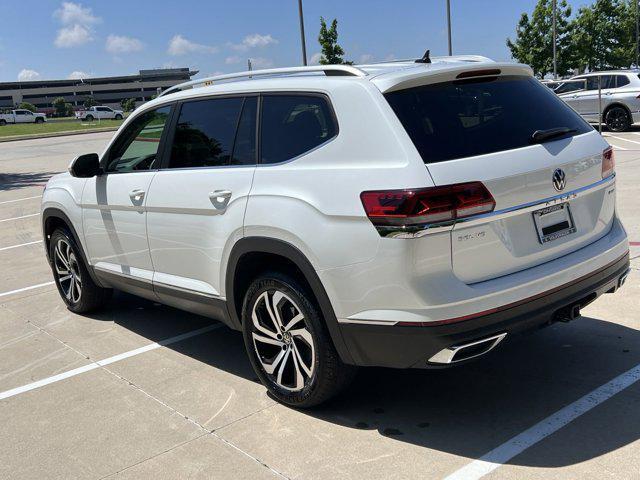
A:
x: 67, y: 270
x: 283, y: 343
x: 617, y: 119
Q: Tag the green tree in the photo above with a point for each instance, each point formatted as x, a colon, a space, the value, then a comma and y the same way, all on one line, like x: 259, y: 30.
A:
x: 60, y: 106
x: 604, y: 35
x: 89, y: 102
x: 27, y: 106
x: 128, y: 104
x: 331, y: 52
x: 533, y: 44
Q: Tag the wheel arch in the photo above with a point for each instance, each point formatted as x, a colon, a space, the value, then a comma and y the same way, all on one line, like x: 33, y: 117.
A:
x: 244, y: 255
x: 53, y: 218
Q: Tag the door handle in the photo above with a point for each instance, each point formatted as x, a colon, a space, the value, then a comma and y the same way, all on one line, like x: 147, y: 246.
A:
x: 136, y: 195
x: 220, y: 198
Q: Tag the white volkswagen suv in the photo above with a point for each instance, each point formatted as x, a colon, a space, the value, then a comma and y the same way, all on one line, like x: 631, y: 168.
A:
x: 411, y: 214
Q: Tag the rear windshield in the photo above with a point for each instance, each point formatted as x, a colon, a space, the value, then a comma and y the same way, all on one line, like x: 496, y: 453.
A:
x: 466, y: 118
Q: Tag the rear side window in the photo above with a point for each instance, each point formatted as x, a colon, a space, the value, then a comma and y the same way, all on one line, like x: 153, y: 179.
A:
x: 205, y: 133
x: 293, y: 125
x: 466, y: 118
x: 622, y: 81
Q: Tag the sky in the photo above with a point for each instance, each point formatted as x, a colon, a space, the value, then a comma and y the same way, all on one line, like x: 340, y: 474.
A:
x: 48, y: 39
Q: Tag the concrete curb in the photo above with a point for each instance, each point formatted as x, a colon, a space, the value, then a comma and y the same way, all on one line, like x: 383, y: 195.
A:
x: 56, y: 134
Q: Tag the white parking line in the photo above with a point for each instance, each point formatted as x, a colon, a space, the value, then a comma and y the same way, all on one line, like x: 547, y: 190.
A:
x: 21, y: 245
x: 107, y: 361
x: 624, y: 139
x: 20, y: 199
x: 554, y: 422
x: 18, y: 218
x: 11, y: 292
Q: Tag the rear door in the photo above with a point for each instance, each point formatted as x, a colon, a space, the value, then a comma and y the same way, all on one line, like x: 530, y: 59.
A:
x: 589, y: 103
x: 482, y: 130
x: 197, y: 201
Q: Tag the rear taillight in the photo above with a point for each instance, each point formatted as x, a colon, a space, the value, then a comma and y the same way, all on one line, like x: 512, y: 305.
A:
x: 426, y: 206
x: 608, y: 163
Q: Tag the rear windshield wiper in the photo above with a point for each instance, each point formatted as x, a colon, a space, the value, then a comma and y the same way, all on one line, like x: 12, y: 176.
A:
x: 540, y: 136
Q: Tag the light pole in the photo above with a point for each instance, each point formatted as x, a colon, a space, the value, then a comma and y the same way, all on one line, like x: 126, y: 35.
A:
x: 304, y: 46
x: 449, y: 26
x: 555, y: 58
x: 637, y: 2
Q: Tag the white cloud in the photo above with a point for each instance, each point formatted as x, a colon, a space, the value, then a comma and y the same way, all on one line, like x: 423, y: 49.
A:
x: 77, y: 75
x: 181, y: 46
x: 315, y: 59
x: 260, y: 62
x: 123, y: 44
x: 74, y: 13
x: 73, y: 36
x: 77, y: 24
x: 365, y: 58
x: 27, y: 75
x: 254, y: 40
x: 232, y: 59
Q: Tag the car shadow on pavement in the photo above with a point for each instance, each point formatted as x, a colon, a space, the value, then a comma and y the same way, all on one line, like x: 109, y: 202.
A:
x: 15, y: 181
x: 467, y: 410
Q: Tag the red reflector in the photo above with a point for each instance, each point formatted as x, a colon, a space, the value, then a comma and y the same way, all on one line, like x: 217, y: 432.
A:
x: 479, y: 73
x: 427, y: 205
x: 608, y: 163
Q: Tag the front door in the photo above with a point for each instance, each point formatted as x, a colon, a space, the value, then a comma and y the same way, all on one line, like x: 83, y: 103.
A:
x: 197, y: 201
x: 113, y: 203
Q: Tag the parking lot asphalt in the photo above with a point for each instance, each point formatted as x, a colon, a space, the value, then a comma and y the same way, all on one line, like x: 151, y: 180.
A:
x: 141, y: 390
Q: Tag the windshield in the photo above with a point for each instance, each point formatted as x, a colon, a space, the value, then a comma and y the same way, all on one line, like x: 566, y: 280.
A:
x: 474, y: 117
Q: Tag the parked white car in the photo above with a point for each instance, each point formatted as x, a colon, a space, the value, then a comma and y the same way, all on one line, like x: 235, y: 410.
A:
x: 22, y: 116
x: 620, y: 97
x: 99, y: 113
x: 407, y: 215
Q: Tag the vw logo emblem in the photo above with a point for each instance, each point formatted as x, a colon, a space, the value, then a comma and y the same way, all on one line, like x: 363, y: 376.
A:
x: 559, y: 180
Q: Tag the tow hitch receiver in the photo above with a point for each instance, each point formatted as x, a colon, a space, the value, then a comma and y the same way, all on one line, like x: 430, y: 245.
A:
x: 568, y: 313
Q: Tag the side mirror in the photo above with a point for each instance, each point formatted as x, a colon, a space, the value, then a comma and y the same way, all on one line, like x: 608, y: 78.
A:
x: 85, y: 166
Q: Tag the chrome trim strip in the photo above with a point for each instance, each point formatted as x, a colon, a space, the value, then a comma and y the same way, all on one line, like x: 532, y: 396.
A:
x: 447, y: 355
x: 187, y: 290
x: 160, y: 284
x: 122, y: 274
x: 531, y: 206
x: 416, y: 231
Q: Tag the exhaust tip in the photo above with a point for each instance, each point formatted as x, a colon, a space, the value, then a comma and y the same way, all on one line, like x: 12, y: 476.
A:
x: 467, y: 351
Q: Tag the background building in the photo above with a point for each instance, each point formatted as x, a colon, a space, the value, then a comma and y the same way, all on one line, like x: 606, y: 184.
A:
x: 105, y: 90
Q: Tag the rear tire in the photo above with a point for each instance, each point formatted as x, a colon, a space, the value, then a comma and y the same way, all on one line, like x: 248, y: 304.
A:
x: 74, y: 283
x: 288, y: 343
x: 618, y: 119
x: 3, y: 122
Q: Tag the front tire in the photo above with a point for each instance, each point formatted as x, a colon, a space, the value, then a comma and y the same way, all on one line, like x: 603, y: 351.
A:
x: 3, y: 122
x: 618, y: 119
x: 89, y: 118
x: 288, y: 343
x: 118, y: 117
x: 74, y: 283
x: 39, y: 120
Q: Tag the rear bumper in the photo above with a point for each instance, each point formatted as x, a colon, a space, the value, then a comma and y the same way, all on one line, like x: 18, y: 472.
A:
x: 412, y: 346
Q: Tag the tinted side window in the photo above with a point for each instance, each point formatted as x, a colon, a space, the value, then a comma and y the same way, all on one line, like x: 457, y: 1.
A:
x: 622, y: 81
x: 137, y: 146
x: 244, y: 150
x: 205, y: 133
x: 294, y: 124
x: 607, y: 82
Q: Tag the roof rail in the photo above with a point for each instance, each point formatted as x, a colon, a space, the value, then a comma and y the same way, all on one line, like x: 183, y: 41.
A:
x: 329, y: 70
